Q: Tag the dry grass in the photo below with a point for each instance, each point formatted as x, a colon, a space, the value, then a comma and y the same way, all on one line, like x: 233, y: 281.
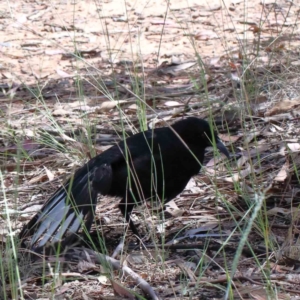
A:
x: 240, y: 215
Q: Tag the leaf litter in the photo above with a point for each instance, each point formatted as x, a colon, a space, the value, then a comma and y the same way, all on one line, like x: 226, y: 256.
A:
x: 44, y: 136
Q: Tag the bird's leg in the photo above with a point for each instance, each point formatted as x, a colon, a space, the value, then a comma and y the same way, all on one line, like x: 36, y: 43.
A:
x: 126, y: 210
x: 132, y: 226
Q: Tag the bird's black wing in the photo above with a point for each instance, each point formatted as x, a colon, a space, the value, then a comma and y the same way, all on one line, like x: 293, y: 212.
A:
x: 71, y: 206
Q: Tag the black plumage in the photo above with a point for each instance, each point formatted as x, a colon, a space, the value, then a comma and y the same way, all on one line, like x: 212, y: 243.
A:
x: 154, y: 163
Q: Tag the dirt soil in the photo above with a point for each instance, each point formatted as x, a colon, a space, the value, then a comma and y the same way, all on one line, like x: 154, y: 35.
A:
x: 38, y: 39
x: 67, y: 66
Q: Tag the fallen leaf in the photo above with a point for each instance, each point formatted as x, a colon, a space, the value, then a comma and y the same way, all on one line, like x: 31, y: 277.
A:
x: 229, y: 138
x: 276, y: 210
x: 173, y: 209
x: 282, y: 107
x: 240, y: 175
x: 62, y: 73
x: 39, y: 178
x: 294, y: 147
x: 121, y: 291
x: 49, y: 174
x: 215, y: 160
x: 107, y: 105
x: 282, y: 174
x: 172, y: 103
x: 61, y: 112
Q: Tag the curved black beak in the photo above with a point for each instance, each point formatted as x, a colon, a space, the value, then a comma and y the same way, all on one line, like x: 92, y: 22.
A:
x: 222, y: 148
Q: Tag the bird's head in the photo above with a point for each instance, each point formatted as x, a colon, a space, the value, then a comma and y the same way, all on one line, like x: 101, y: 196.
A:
x: 197, y: 132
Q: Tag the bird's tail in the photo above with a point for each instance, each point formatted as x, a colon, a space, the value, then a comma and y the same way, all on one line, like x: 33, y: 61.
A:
x: 62, y: 216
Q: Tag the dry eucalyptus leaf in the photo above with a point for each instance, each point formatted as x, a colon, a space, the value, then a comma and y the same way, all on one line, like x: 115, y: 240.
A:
x: 49, y: 174
x: 107, y: 105
x: 62, y: 73
x: 172, y: 103
x: 39, y: 178
x: 294, y: 147
x: 282, y: 174
x: 240, y: 175
x: 61, y: 112
x: 242, y: 160
x: 173, y: 209
x: 229, y: 138
x: 121, y: 290
x: 276, y: 210
x: 282, y: 107
x: 216, y: 160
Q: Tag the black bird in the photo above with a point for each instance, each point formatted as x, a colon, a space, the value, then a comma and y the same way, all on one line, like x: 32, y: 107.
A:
x: 151, y: 164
